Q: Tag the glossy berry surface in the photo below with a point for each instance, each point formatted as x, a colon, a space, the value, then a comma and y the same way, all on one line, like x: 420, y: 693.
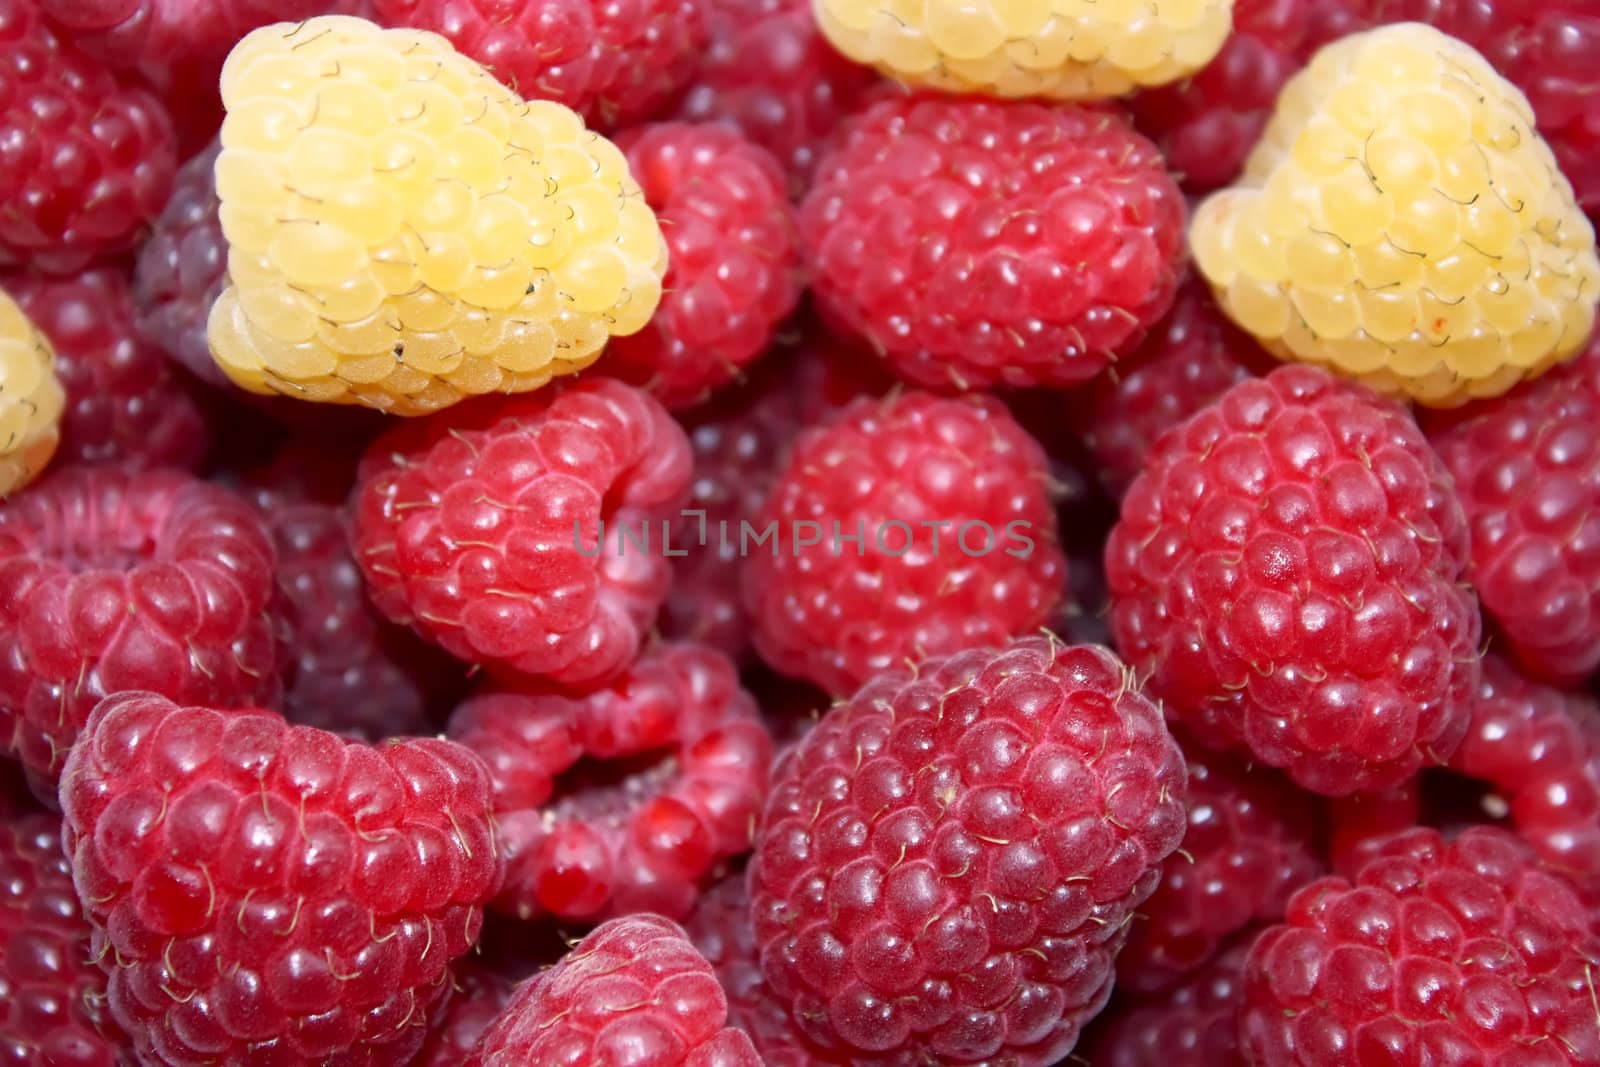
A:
x: 1193, y: 1024
x: 477, y: 996
x: 948, y: 861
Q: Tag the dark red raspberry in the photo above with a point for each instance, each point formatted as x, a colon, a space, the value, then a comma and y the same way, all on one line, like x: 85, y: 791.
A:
x: 1193, y: 1024
x: 616, y: 63
x: 85, y: 160
x: 1360, y: 821
x: 501, y: 531
x: 267, y: 893
x: 1527, y: 467
x: 625, y: 798
x: 769, y: 70
x: 1436, y: 952
x: 733, y: 270
x: 124, y: 403
x: 1250, y: 844
x: 948, y: 862
x: 478, y: 995
x: 112, y: 580
x: 1288, y: 571
x: 980, y: 242
x: 1190, y: 358
x: 956, y: 539
x: 52, y: 994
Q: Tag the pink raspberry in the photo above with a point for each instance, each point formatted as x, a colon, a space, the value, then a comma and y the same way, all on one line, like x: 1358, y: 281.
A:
x: 1193, y: 1024
x: 85, y: 160
x: 733, y: 272
x: 1465, y: 951
x: 948, y: 862
x: 1288, y: 572
x: 478, y: 995
x: 53, y: 994
x: 668, y: 770
x: 497, y: 531
x: 634, y: 991
x: 124, y: 404
x: 981, y: 242
x: 956, y: 539
x: 113, y: 580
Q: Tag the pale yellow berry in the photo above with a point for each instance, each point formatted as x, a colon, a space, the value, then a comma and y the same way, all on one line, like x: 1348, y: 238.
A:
x: 1062, y: 49
x: 404, y: 231
x: 1402, y: 221
x: 31, y: 399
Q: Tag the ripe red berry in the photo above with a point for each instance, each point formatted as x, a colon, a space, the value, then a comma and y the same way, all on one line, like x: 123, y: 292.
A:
x: 976, y: 242
x: 948, y: 861
x: 1193, y: 1024
x: 478, y: 995
x: 499, y: 531
x: 1288, y: 570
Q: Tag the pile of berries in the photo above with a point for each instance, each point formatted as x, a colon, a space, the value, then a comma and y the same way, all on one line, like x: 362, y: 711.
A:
x: 766, y: 533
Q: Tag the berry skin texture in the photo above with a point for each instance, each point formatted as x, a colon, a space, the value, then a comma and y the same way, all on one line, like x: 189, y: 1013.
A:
x: 1465, y: 951
x: 404, y: 231
x: 111, y: 580
x: 123, y: 403
x: 1193, y: 1024
x: 1288, y: 572
x: 975, y: 243
x: 53, y: 993
x: 31, y: 399
x: 1401, y: 221
x: 1064, y: 49
x: 615, y: 837
x: 477, y: 997
x: 948, y: 860
x: 497, y: 534
x: 270, y: 893
x: 893, y: 470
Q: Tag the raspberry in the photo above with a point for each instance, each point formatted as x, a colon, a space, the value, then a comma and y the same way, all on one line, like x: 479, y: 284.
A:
x: 1067, y: 49
x: 1248, y: 847
x: 1442, y: 952
x: 1190, y: 358
x: 1359, y: 822
x: 676, y: 772
x: 977, y: 243
x: 85, y: 160
x: 1288, y: 571
x: 615, y: 63
x: 1403, y: 222
x: 1193, y: 1024
x: 1527, y: 467
x: 395, y: 241
x: 488, y: 534
x: 112, y: 580
x: 948, y: 861
x: 633, y: 991
x: 269, y: 893
x: 734, y: 271
x: 31, y: 398
x: 769, y: 70
x: 895, y: 473
x: 478, y: 996
x: 53, y: 993
x: 123, y: 403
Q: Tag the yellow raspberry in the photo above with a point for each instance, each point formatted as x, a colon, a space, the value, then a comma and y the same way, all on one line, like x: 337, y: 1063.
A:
x: 404, y: 231
x: 1402, y: 221
x: 31, y: 399
x: 1063, y: 49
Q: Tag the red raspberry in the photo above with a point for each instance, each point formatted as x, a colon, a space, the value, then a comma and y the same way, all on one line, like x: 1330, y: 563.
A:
x: 980, y: 242
x: 1436, y: 952
x: 1193, y: 1024
x: 900, y: 472
x: 270, y: 893
x: 1527, y: 467
x: 53, y: 994
x: 769, y: 70
x: 1360, y: 821
x: 85, y: 160
x: 615, y: 63
x: 635, y: 828
x: 478, y: 996
x: 948, y: 861
x: 1248, y: 847
x: 733, y: 271
x: 1287, y: 570
x: 123, y: 401
x: 1190, y: 358
x: 113, y: 580
x: 498, y: 531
